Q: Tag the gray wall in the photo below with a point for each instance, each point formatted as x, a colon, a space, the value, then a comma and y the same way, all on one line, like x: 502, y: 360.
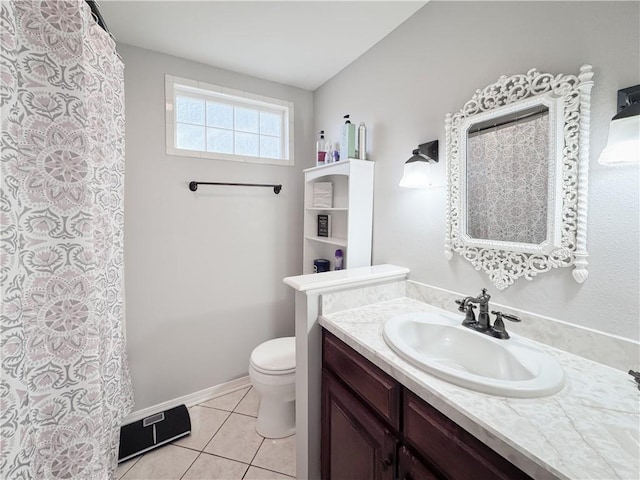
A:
x: 203, y: 270
x: 432, y: 64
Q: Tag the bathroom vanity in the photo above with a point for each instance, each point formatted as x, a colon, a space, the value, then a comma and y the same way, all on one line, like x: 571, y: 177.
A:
x: 388, y: 417
x: 373, y: 427
x: 589, y: 429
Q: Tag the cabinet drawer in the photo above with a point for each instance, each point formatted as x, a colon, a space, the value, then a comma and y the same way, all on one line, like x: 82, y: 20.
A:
x: 375, y: 387
x: 456, y: 453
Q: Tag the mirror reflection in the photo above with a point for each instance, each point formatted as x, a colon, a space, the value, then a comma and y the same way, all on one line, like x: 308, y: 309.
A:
x: 507, y: 177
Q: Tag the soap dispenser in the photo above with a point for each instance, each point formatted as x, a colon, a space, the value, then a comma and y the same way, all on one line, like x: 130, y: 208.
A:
x: 321, y: 150
x: 348, y: 144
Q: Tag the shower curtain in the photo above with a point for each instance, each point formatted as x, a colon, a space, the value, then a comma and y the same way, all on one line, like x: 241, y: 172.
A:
x: 64, y: 385
x: 501, y: 205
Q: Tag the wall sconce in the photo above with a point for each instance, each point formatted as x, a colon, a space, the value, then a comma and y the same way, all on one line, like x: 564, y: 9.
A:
x: 623, y: 147
x: 417, y: 170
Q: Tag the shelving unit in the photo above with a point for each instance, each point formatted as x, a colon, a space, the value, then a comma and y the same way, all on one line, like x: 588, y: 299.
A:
x: 351, y: 214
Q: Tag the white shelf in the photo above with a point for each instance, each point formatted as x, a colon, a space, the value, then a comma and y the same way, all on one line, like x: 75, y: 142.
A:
x: 351, y: 214
x: 331, y: 165
x: 342, y: 242
x: 333, y: 209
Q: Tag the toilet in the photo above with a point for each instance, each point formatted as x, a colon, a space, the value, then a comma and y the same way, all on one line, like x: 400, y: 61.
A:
x: 272, y: 371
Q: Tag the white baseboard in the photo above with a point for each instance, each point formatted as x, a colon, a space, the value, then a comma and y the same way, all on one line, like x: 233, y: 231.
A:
x: 191, y: 399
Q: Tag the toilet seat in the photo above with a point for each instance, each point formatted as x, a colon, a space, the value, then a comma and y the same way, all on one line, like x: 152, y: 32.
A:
x: 274, y: 373
x: 275, y: 357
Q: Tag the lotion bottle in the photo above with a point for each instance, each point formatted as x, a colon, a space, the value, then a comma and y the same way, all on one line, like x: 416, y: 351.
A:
x: 348, y: 144
x: 321, y: 150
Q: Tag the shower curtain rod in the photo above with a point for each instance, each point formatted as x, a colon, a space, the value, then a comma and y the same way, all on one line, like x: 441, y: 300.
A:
x: 490, y: 126
x: 193, y: 186
x: 96, y: 14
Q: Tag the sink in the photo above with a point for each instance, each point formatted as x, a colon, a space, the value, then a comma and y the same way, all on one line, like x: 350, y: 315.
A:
x: 438, y: 344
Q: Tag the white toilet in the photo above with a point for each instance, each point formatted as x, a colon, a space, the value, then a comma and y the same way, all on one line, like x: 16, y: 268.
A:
x: 272, y: 370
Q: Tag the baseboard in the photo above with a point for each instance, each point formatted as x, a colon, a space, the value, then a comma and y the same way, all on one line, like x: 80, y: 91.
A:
x: 191, y: 399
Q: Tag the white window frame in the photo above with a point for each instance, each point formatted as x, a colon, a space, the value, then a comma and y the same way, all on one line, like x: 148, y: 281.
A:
x: 193, y: 88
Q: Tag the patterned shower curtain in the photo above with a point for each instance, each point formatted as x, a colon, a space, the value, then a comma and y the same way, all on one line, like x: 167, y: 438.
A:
x: 64, y: 385
x: 501, y: 204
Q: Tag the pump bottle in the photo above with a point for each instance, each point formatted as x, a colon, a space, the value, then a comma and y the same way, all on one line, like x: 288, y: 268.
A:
x: 321, y: 150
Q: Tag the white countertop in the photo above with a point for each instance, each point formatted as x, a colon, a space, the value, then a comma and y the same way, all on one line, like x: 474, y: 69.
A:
x: 588, y: 430
x: 345, y: 278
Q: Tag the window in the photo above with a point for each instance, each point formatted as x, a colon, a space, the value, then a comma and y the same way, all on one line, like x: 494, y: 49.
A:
x: 209, y: 121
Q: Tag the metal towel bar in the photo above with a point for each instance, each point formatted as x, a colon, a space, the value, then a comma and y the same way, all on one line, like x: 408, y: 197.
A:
x: 193, y: 186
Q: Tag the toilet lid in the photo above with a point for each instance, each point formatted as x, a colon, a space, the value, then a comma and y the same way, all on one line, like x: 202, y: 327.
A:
x: 277, y: 355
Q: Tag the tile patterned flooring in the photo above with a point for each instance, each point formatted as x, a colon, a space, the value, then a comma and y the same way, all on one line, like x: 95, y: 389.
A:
x: 223, y: 445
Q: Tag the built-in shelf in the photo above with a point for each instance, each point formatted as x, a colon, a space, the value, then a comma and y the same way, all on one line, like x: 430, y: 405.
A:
x: 342, y: 242
x: 351, y: 214
x: 334, y: 209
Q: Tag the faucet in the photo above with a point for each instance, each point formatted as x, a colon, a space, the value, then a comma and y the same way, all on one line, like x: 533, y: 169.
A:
x: 483, y: 323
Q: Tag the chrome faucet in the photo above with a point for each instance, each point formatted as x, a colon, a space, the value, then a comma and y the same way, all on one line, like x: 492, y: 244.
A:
x: 483, y: 323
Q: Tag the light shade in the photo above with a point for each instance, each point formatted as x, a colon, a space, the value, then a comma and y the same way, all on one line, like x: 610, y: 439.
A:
x: 416, y: 174
x: 417, y: 170
x: 623, y: 146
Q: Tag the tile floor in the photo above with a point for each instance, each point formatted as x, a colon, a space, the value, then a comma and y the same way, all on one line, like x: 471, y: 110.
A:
x: 223, y: 445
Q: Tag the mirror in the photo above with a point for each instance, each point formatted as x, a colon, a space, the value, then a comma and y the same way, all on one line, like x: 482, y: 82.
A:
x: 509, y: 181
x: 517, y: 162
x: 506, y: 198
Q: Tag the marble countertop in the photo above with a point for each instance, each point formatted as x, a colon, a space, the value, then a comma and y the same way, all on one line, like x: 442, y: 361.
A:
x: 588, y: 430
x: 345, y: 278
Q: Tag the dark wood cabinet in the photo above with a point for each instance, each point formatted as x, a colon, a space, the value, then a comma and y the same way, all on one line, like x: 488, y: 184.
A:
x: 379, y: 391
x: 450, y: 448
x: 374, y: 428
x: 411, y: 468
x: 355, y: 444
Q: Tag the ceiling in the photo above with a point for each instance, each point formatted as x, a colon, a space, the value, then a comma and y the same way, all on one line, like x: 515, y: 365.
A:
x: 299, y: 43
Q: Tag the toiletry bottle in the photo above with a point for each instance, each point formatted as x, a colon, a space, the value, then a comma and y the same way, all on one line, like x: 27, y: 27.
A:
x: 348, y: 143
x: 362, y: 142
x: 321, y: 150
x: 329, y: 156
x: 336, y: 152
x: 338, y: 260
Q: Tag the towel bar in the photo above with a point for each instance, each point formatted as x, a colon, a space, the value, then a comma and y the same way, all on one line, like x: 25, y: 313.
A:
x: 193, y: 186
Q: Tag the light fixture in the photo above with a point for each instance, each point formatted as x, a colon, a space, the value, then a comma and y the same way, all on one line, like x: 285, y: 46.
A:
x: 623, y: 147
x: 417, y: 170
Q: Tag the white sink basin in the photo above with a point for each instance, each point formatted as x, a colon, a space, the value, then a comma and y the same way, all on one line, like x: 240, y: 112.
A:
x: 440, y: 345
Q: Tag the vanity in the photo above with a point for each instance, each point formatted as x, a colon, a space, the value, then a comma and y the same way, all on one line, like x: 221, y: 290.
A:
x: 435, y: 429
x: 374, y: 428
x: 401, y: 422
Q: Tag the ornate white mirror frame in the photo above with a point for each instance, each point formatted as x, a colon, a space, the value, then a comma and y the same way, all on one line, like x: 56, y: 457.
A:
x: 567, y: 98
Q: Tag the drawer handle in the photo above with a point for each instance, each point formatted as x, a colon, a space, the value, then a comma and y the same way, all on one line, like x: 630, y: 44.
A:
x: 386, y: 463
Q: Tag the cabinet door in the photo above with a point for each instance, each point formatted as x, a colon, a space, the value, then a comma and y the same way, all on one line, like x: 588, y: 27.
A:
x: 411, y: 468
x: 455, y: 453
x: 355, y: 444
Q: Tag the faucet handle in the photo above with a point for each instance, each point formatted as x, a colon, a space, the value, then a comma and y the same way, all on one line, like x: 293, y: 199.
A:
x: 470, y: 317
x: 498, y: 330
x: 462, y: 304
x: 513, y: 318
